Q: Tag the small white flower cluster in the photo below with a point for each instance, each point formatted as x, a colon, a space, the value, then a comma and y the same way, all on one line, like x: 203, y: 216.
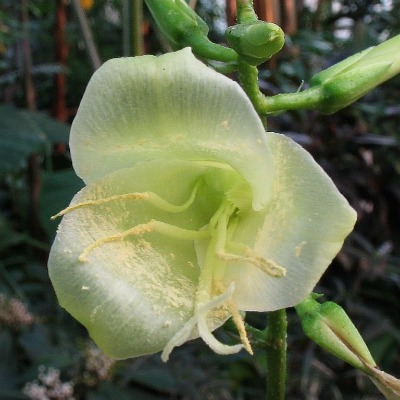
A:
x: 49, y: 386
x: 98, y: 363
x: 14, y: 313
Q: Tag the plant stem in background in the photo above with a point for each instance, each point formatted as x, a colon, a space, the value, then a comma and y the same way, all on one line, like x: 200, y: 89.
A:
x: 59, y: 108
x: 136, y: 28
x: 27, y: 57
x: 132, y: 28
x: 87, y: 35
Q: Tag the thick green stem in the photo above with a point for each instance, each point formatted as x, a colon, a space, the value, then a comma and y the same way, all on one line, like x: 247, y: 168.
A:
x: 248, y: 76
x: 307, y: 99
x: 206, y: 49
x: 245, y: 11
x: 275, y: 334
x: 276, y: 355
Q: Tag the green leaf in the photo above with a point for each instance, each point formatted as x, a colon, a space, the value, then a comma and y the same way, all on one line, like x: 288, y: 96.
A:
x: 58, y: 188
x: 23, y: 133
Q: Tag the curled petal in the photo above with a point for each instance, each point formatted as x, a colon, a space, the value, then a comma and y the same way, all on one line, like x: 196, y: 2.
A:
x: 302, y: 229
x: 168, y: 107
x: 132, y: 295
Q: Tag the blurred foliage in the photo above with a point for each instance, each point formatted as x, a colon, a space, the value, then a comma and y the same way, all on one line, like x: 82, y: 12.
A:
x: 358, y: 147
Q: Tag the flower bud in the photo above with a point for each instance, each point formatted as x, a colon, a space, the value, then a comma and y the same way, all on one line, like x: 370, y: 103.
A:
x: 256, y: 41
x: 182, y: 27
x: 329, y: 326
x: 176, y: 20
x: 352, y: 78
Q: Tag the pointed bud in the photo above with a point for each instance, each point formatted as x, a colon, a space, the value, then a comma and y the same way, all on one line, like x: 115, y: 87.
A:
x: 329, y: 326
x: 256, y: 41
x: 347, y: 81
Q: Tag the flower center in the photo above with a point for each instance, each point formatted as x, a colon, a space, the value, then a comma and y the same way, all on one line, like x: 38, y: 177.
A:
x: 213, y: 299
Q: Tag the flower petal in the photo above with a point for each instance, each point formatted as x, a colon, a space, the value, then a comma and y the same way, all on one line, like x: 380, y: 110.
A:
x: 131, y: 295
x: 302, y: 230
x: 168, y: 107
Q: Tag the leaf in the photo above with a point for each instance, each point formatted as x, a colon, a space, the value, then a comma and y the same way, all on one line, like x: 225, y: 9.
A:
x: 23, y: 133
x: 58, y: 188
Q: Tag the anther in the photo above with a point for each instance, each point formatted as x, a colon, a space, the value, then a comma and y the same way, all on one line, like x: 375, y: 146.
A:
x: 151, y: 226
x: 237, y: 320
x: 151, y: 197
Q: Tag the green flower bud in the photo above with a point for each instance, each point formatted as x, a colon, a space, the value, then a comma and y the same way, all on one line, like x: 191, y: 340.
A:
x: 176, y: 19
x: 329, y: 326
x: 184, y: 28
x: 347, y: 81
x: 256, y: 41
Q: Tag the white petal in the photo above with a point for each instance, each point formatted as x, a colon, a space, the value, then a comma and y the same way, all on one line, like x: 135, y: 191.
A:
x: 168, y: 107
x: 131, y: 295
x: 302, y: 229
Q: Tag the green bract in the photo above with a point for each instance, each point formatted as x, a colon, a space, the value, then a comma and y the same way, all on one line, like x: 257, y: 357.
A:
x: 191, y: 212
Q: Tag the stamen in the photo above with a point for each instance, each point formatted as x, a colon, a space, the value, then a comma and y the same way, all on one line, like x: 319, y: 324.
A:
x: 127, y: 196
x: 151, y: 226
x: 151, y: 197
x: 200, y: 319
x: 237, y: 320
x: 180, y: 337
x: 135, y: 231
x: 268, y: 266
x: 212, y: 342
x: 239, y: 323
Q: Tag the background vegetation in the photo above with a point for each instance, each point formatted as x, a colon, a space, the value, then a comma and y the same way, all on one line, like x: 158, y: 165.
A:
x: 44, y: 68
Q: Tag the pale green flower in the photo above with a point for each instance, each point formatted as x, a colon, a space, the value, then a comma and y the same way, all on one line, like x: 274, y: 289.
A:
x: 191, y: 212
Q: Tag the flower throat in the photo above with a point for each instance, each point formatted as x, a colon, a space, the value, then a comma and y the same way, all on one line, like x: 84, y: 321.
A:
x: 213, y: 295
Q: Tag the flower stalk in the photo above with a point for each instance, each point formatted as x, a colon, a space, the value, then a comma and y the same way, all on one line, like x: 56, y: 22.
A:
x: 276, y: 355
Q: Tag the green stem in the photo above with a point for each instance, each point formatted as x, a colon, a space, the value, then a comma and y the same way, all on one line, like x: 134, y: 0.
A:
x: 204, y: 48
x: 248, y: 77
x: 275, y: 335
x: 245, y: 11
x: 276, y: 355
x: 132, y: 28
x: 306, y: 99
x: 137, y: 22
